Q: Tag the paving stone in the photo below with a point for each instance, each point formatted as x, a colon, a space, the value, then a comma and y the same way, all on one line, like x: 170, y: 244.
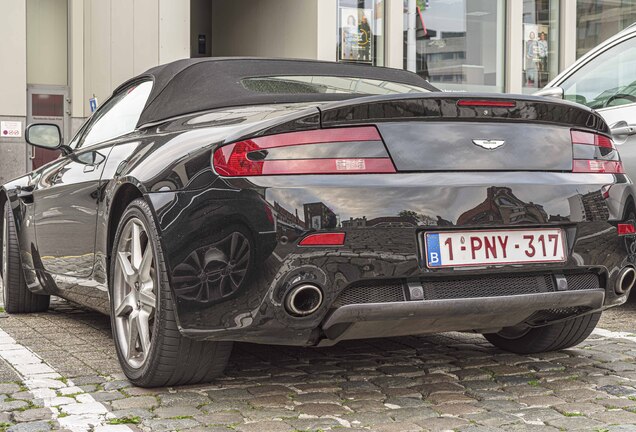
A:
x: 229, y: 394
x: 32, y: 415
x: 315, y: 397
x: 9, y: 388
x: 397, y: 427
x: 134, y: 412
x: 84, y: 408
x: 176, y: 411
x: 321, y: 409
x: 367, y: 406
x: 144, y: 402
x: 583, y: 408
x: 220, y: 418
x: 39, y: 426
x: 314, y: 424
x: 270, y: 426
x: 541, y: 401
x: 576, y: 423
x: 182, y: 399
x: 534, y: 415
x: 493, y: 418
x: 410, y: 415
x: 438, y: 424
x: 458, y: 410
x: 12, y: 405
x: 170, y: 425
x: 115, y: 385
x: 449, y: 398
x: 276, y: 401
x: 267, y: 414
x: 269, y: 390
x: 615, y: 417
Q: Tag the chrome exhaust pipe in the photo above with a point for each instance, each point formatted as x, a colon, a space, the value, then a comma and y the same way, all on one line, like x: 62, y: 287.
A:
x: 303, y: 300
x: 626, y: 280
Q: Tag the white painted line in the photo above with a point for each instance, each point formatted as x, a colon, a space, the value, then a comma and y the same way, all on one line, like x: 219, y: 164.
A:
x: 612, y: 334
x: 81, y: 412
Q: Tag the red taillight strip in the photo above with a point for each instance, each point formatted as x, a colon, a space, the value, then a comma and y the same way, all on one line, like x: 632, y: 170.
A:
x: 608, y: 163
x: 232, y: 160
x: 579, y: 137
x: 597, y: 166
x: 366, y: 133
x: 486, y: 103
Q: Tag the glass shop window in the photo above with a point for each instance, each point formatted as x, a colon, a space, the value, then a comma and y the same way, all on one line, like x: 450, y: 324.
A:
x: 361, y: 31
x: 540, y: 43
x: 456, y: 44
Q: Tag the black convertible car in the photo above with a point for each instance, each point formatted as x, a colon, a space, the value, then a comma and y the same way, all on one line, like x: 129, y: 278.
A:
x: 307, y: 203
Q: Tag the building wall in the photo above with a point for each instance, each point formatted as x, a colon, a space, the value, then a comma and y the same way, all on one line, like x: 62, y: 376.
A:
x: 47, y: 41
x: 123, y: 38
x: 12, y: 85
x: 266, y: 28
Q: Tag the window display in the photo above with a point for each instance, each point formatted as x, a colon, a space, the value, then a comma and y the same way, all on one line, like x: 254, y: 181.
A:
x: 540, y: 43
x: 360, y: 31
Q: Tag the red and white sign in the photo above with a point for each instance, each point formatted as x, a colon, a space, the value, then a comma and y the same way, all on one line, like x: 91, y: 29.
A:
x: 11, y: 129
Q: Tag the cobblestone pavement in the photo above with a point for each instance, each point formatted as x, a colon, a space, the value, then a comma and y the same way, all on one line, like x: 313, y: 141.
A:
x: 61, y: 373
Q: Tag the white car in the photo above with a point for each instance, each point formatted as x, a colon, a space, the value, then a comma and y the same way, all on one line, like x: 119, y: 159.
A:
x: 604, y: 79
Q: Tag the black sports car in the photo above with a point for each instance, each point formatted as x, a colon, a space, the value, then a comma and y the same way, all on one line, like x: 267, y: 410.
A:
x: 307, y: 203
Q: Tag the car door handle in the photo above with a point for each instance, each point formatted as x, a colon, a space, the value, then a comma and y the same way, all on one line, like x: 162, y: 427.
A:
x: 89, y: 168
x: 625, y: 130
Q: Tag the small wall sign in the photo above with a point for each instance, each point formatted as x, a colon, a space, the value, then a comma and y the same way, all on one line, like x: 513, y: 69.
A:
x: 11, y: 129
x: 92, y: 102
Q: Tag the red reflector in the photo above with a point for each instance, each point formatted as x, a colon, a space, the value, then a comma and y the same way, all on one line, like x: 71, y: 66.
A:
x: 486, y: 103
x: 324, y: 239
x: 597, y: 166
x: 626, y: 229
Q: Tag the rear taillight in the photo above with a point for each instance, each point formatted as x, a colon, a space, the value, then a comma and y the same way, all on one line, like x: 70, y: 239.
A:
x: 355, y: 150
x: 594, y: 153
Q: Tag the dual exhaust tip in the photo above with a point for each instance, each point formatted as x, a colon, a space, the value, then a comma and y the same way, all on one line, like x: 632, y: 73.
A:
x: 625, y: 281
x: 303, y: 300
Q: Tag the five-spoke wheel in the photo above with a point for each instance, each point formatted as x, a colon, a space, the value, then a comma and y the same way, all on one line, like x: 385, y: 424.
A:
x: 134, y: 295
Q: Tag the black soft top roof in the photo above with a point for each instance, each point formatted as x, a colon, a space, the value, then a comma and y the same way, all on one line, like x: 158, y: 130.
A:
x: 193, y: 85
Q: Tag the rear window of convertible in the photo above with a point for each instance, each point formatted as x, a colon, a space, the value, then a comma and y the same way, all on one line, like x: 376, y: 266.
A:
x: 327, y: 84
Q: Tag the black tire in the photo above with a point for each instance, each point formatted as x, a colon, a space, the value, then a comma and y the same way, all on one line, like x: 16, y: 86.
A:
x: 17, y: 297
x: 552, y: 337
x: 172, y: 359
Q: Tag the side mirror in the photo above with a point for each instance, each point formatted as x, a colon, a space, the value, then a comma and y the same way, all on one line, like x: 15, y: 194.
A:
x: 553, y: 92
x: 44, y: 135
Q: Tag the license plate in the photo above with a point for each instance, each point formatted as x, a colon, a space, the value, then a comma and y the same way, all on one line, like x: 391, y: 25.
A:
x: 479, y: 248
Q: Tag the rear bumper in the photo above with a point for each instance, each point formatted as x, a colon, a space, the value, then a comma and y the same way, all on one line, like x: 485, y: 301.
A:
x: 382, y: 216
x: 481, y: 314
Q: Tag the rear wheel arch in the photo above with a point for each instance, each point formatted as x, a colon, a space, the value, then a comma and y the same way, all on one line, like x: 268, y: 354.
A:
x: 126, y: 194
x: 630, y: 207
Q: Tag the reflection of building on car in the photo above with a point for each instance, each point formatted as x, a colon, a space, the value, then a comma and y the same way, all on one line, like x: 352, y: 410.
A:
x: 319, y: 216
x: 502, y: 206
x: 590, y: 205
x: 381, y: 222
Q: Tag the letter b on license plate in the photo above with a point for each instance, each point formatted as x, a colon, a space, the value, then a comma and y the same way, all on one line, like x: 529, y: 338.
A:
x: 479, y: 248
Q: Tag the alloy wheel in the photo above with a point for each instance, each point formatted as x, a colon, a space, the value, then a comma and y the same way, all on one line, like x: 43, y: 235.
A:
x: 134, y: 293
